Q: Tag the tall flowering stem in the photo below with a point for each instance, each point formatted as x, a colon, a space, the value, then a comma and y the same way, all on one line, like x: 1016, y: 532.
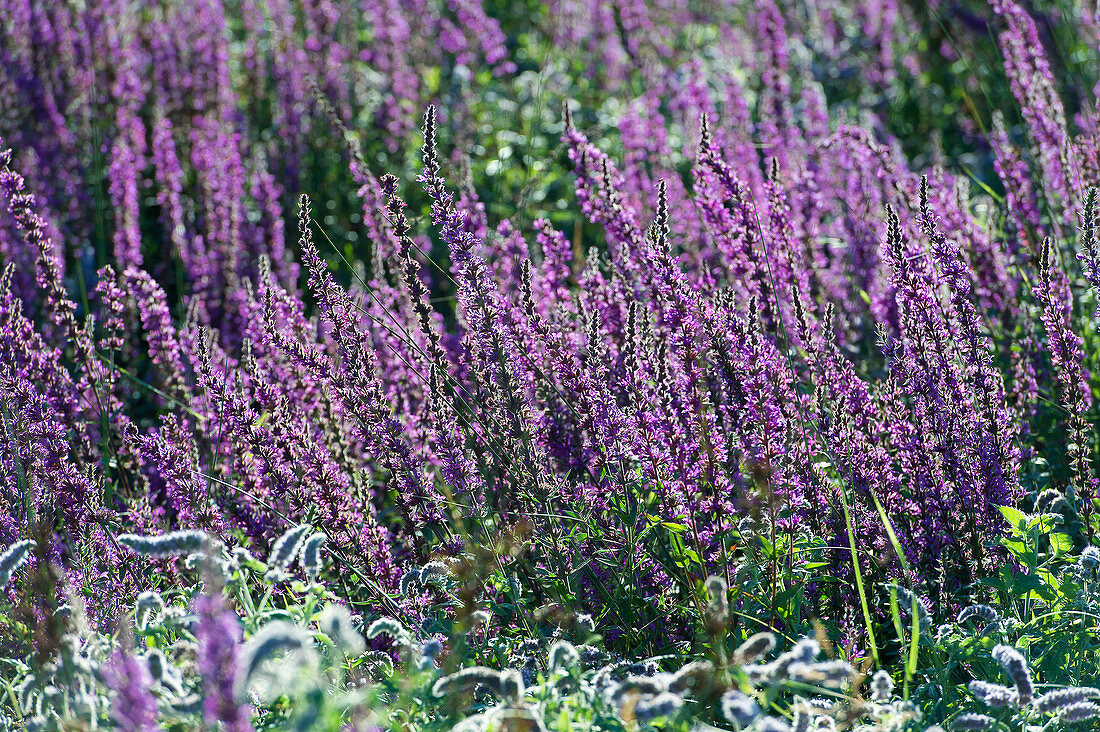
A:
x: 1052, y: 292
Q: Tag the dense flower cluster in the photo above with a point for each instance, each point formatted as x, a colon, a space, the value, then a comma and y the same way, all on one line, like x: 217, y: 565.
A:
x: 733, y: 325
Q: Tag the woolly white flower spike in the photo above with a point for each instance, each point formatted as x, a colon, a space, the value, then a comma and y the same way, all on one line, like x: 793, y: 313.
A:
x: 149, y: 610
x: 174, y: 544
x: 718, y: 610
x: 882, y: 687
x: 754, y: 648
x: 312, y: 561
x: 739, y: 708
x: 511, y: 685
x: 1090, y: 558
x: 801, y: 719
x: 636, y: 684
x: 507, y: 685
x: 692, y: 677
x: 978, y: 613
x: 771, y: 724
x: 563, y: 656
x: 286, y: 548
x: 12, y: 559
x: 1050, y: 501
x: 665, y: 704
x: 409, y: 581
x: 804, y: 653
x: 1079, y: 712
x: 993, y: 695
x: 390, y: 627
x: 429, y: 651
x: 1016, y: 667
x: 164, y: 672
x: 479, y: 619
x: 191, y: 704
x: 972, y: 723
x: 379, y: 661
x: 335, y: 622
x: 242, y: 557
x: 434, y: 569
x: 275, y: 637
x: 825, y: 673
x: 905, y: 605
x: 1055, y: 701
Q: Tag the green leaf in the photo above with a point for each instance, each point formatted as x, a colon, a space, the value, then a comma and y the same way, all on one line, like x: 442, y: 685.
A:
x: 1015, y: 518
x: 1061, y: 543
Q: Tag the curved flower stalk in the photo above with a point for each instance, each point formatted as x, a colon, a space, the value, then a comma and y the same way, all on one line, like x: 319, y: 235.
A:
x: 174, y: 544
x: 1032, y: 83
x: 276, y: 638
x: 12, y: 559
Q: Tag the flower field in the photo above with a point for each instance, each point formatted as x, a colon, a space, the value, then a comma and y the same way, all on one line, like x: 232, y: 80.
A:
x: 563, y: 365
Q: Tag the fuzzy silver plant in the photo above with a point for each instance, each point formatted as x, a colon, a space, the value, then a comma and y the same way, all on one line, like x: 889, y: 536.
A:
x: 665, y: 704
x: 801, y: 718
x: 386, y: 626
x: 1055, y: 701
x: 409, y: 581
x: 148, y: 611
x: 906, y: 600
x: 163, y: 672
x: 417, y: 579
x: 1014, y: 664
x: 692, y: 677
x: 187, y: 706
x: 173, y: 544
x: 435, y: 569
x: 1090, y: 558
x: 522, y: 717
x: 244, y: 559
x: 972, y: 722
x: 13, y: 558
x: 803, y: 652
x: 213, y: 560
x: 717, y: 612
x: 982, y: 614
x: 754, y: 648
x: 1050, y: 501
x: 993, y: 695
x: 882, y: 687
x: 312, y: 559
x: 634, y: 687
x: 507, y: 685
x: 563, y: 657
x: 429, y: 651
x: 771, y: 724
x: 276, y: 637
x: 1079, y: 712
x: 336, y: 622
x: 378, y: 662
x: 944, y: 632
x: 68, y: 683
x: 833, y: 674
x: 287, y: 547
x: 739, y: 708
